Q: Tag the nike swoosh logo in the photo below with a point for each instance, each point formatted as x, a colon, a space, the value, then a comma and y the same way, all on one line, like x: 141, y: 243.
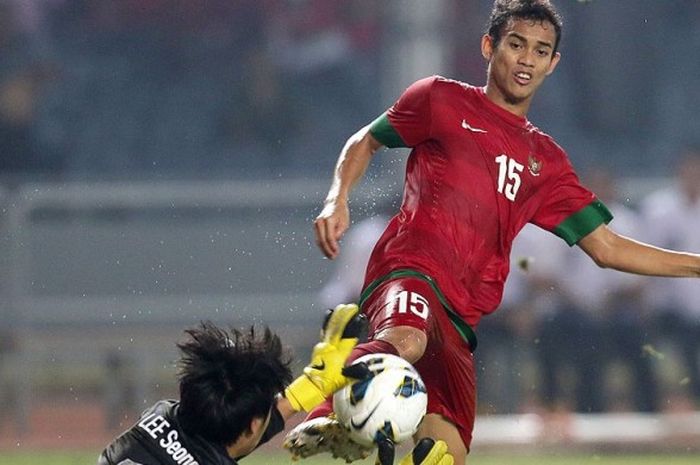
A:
x: 319, y: 366
x: 466, y: 125
x: 362, y: 424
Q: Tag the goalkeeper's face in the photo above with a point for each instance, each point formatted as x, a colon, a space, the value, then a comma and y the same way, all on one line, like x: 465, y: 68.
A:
x: 520, y: 61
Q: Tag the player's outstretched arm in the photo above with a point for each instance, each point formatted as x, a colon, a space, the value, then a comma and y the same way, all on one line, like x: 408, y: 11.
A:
x: 611, y: 250
x: 323, y: 375
x: 334, y: 219
x: 427, y: 451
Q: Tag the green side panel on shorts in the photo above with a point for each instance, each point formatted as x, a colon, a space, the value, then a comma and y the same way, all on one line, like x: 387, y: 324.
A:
x: 384, y: 132
x: 583, y: 222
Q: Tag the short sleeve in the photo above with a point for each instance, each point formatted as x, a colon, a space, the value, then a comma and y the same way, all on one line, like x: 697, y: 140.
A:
x: 570, y: 210
x: 408, y: 122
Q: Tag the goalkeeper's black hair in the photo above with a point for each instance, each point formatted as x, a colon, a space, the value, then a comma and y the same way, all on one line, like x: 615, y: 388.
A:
x: 534, y: 10
x: 227, y: 379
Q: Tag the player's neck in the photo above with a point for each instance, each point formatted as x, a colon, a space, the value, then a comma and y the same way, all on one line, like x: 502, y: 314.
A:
x: 519, y: 108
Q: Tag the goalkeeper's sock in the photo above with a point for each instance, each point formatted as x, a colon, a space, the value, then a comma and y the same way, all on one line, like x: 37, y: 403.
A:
x: 372, y: 347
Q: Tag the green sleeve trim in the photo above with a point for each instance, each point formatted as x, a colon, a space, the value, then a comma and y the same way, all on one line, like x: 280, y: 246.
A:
x: 583, y: 222
x: 384, y: 132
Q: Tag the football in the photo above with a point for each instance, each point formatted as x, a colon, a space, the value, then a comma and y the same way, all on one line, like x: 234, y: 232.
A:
x: 389, y: 404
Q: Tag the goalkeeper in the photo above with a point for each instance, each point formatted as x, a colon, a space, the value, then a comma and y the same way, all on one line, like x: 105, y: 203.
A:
x: 231, y: 399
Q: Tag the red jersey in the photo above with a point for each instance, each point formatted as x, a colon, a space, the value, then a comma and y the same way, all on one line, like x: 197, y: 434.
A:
x: 476, y: 175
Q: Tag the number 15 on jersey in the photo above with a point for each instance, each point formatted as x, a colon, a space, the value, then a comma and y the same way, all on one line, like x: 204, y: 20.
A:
x: 508, y: 176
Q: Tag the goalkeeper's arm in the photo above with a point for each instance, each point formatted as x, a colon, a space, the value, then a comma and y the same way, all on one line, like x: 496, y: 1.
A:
x: 323, y: 375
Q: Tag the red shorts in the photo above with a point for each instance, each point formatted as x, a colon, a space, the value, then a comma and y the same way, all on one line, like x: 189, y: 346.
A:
x: 447, y: 366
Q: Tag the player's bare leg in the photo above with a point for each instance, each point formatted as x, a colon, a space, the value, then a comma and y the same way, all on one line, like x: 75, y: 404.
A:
x: 409, y: 342
x: 437, y: 427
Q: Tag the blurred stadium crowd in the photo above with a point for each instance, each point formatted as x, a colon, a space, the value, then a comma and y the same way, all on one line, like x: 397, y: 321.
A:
x: 260, y: 89
x: 162, y: 89
x: 155, y: 88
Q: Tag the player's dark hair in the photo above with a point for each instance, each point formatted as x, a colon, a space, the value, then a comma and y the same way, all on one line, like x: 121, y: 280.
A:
x: 227, y: 379
x: 533, y: 10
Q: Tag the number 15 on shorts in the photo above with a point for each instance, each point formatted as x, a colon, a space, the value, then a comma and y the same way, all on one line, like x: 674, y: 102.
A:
x: 413, y: 302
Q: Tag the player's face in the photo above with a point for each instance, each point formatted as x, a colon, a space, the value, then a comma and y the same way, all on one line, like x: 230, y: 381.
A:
x: 519, y: 63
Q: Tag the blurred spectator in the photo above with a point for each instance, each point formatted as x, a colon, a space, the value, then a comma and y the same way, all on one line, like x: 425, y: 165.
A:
x: 578, y: 332
x: 505, y: 376
x: 13, y: 402
x: 189, y: 89
x: 327, y: 53
x: 561, y: 334
x: 349, y: 269
x: 615, y: 312
x: 19, y: 99
x: 673, y: 220
x: 345, y: 284
x: 22, y: 81
x: 466, y: 22
x: 262, y: 117
x: 242, y: 87
x: 537, y: 325
x: 120, y: 395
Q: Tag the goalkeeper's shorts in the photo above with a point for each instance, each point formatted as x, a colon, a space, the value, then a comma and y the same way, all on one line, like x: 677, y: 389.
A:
x: 447, y: 366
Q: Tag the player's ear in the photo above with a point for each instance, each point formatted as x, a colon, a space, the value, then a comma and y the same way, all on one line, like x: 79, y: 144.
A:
x: 255, y: 425
x: 487, y: 46
x: 553, y: 64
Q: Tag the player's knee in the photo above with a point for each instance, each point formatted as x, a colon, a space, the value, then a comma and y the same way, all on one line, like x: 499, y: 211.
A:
x: 409, y: 342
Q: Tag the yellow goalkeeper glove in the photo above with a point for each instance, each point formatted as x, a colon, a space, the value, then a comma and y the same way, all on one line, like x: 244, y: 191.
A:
x: 427, y: 451
x: 323, y: 376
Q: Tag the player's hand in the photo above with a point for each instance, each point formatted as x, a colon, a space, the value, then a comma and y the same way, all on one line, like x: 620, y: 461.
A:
x: 330, y: 225
x: 427, y: 451
x: 323, y: 376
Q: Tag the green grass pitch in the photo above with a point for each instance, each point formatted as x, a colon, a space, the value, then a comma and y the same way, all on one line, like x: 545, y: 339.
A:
x: 89, y: 458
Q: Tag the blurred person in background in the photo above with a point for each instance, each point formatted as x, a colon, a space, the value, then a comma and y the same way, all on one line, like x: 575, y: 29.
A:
x: 345, y: 283
x: 11, y: 405
x: 614, y: 316
x: 672, y: 219
x: 23, y: 79
x: 478, y: 172
x: 589, y: 317
x: 506, y: 359
x: 541, y: 258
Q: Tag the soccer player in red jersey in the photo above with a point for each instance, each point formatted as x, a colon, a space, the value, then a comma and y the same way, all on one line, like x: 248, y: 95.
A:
x: 478, y: 172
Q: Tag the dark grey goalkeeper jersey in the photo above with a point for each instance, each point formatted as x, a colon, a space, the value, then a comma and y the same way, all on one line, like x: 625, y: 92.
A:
x: 158, y: 439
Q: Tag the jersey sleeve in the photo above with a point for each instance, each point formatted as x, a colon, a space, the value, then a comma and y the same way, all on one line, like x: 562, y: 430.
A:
x: 408, y: 122
x: 570, y: 210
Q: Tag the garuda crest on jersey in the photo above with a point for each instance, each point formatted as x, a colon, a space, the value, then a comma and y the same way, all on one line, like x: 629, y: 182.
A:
x: 534, y: 165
